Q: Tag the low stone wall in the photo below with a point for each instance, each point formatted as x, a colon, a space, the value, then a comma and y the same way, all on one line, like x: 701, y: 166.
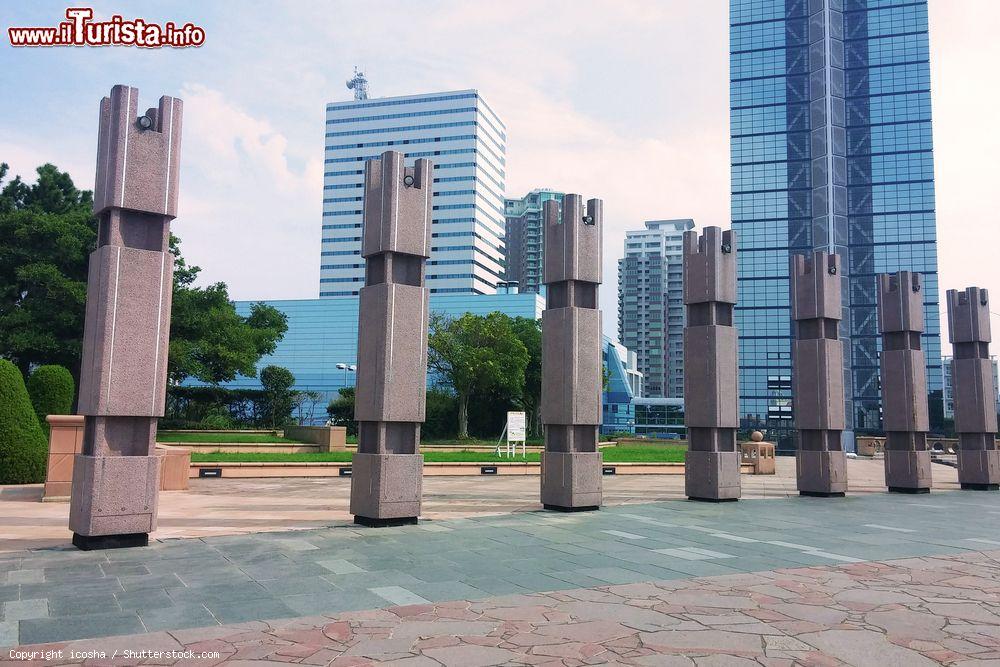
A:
x: 329, y: 438
x: 66, y: 441
x: 760, y: 455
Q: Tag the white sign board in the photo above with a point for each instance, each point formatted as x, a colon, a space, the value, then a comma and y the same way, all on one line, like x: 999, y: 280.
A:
x: 515, y: 427
x: 515, y: 432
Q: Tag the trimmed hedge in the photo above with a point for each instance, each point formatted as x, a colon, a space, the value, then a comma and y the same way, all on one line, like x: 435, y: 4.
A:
x: 51, y: 389
x: 23, y: 449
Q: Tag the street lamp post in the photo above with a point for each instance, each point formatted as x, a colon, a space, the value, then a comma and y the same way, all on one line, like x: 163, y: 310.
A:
x: 347, y: 368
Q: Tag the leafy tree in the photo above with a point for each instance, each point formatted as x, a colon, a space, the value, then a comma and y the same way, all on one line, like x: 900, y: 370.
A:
x: 209, y: 340
x: 341, y: 410
x: 529, y: 332
x: 47, y: 231
x: 277, y: 383
x: 476, y: 354
x: 441, y: 415
x: 304, y: 404
x: 52, y: 391
x: 23, y: 449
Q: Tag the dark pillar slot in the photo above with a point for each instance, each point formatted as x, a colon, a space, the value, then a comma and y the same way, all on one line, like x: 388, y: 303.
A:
x: 375, y: 269
x: 407, y: 269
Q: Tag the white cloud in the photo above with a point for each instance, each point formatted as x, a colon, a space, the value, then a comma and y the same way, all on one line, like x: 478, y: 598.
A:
x: 245, y: 216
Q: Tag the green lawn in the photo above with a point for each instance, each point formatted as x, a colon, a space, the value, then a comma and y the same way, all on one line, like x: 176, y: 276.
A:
x: 660, y: 454
x: 228, y: 438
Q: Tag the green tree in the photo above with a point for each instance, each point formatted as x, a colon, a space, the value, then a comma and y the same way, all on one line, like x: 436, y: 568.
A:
x: 47, y: 231
x: 476, y: 354
x: 529, y: 332
x: 52, y: 390
x: 341, y: 410
x: 278, y: 395
x: 23, y: 449
x: 209, y: 340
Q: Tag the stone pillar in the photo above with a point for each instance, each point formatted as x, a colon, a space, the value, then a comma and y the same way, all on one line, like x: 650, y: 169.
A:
x: 712, y: 466
x: 904, y: 383
x: 818, y: 375
x: 387, y: 472
x: 972, y: 389
x: 571, y: 355
x: 124, y: 370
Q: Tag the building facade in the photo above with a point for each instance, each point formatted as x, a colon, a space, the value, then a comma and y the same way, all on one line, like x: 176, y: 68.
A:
x: 651, y: 304
x: 321, y: 344
x: 466, y: 141
x: 320, y: 348
x: 830, y: 119
x: 949, y: 400
x: 623, y: 384
x: 525, y: 238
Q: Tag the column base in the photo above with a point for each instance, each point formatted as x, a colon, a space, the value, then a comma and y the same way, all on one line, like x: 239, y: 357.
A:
x: 373, y: 522
x: 907, y: 469
x: 386, y: 488
x: 973, y: 486
x: 712, y: 476
x: 561, y: 508
x: 125, y: 541
x: 979, y: 469
x: 909, y: 489
x: 572, y: 480
x: 821, y: 473
x: 114, y: 495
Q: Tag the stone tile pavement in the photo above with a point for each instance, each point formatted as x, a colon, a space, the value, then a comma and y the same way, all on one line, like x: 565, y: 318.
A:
x: 233, y: 506
x: 60, y: 594
x: 913, y: 612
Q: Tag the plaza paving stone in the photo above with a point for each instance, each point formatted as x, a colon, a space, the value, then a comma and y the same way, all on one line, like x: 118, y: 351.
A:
x: 907, y: 612
x: 547, y: 566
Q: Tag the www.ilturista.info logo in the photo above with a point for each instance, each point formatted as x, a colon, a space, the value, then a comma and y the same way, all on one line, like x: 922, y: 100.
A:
x: 81, y: 30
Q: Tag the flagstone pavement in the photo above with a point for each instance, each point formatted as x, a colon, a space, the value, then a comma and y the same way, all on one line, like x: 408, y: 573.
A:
x: 775, y: 579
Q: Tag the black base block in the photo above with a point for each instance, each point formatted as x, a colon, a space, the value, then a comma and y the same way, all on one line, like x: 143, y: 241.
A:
x: 980, y: 487
x: 560, y: 508
x: 371, y: 522
x: 92, y: 542
x: 713, y: 500
x: 908, y: 489
x: 822, y: 494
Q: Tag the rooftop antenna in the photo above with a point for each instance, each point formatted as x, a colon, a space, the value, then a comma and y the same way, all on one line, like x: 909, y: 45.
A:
x: 359, y: 84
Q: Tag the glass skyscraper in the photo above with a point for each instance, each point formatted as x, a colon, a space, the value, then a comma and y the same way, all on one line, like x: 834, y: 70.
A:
x: 466, y: 141
x: 830, y: 117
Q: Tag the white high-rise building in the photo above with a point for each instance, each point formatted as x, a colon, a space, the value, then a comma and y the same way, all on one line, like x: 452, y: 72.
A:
x: 466, y: 141
x: 651, y: 304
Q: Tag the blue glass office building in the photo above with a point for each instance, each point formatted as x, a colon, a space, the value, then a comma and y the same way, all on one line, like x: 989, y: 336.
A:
x: 323, y: 334
x: 831, y: 150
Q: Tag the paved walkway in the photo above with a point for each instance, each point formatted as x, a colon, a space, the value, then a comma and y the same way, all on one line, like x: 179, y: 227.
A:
x: 232, y: 506
x: 59, y: 595
x: 911, y: 613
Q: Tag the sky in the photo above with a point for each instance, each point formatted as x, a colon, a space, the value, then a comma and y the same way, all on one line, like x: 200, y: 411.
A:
x: 626, y: 100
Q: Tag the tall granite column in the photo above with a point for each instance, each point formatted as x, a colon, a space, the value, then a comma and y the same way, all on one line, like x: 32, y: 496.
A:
x: 124, y: 370
x: 972, y: 389
x: 712, y: 466
x: 571, y: 355
x: 904, y: 383
x: 818, y: 375
x: 387, y: 472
